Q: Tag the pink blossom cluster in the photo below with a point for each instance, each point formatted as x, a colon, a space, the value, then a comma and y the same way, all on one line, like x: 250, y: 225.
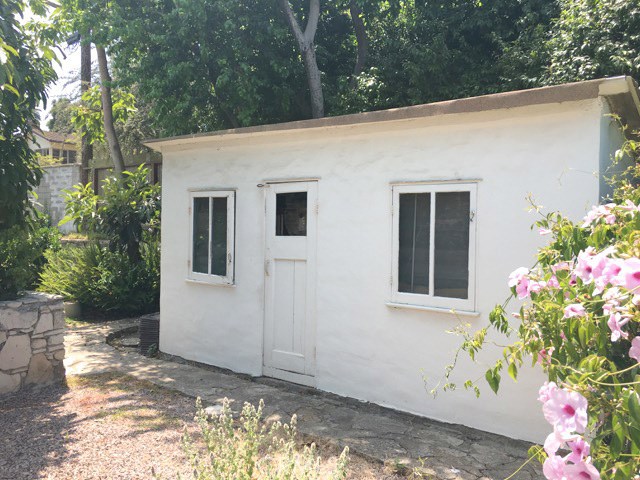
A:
x: 566, y: 411
x: 617, y: 280
x: 609, y: 213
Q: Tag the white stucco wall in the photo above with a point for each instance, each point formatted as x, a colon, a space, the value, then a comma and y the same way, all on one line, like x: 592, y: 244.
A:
x: 55, y: 179
x: 365, y: 349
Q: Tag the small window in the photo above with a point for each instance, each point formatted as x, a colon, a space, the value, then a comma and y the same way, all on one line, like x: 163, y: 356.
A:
x: 291, y: 214
x: 434, y: 245
x: 212, y: 236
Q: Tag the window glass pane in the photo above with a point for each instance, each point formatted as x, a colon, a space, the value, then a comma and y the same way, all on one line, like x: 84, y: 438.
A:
x: 291, y: 214
x: 451, y: 269
x: 200, y: 234
x: 219, y: 244
x: 414, y: 237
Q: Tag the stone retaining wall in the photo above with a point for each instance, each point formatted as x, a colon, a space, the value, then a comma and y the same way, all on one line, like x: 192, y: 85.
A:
x: 31, y: 341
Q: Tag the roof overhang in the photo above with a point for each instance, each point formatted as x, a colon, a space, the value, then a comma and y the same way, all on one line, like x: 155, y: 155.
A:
x: 620, y: 92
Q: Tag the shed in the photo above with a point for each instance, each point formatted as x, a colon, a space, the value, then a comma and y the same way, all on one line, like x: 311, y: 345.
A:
x: 338, y: 252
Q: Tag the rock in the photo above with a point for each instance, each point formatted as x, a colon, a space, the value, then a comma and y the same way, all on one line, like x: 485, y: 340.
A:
x: 58, y: 319
x: 55, y: 340
x: 3, y: 338
x: 59, y: 355
x: 16, y: 352
x: 40, y: 370
x: 45, y: 323
x: 213, y: 410
x: 9, y: 383
x: 12, y: 319
x: 38, y: 344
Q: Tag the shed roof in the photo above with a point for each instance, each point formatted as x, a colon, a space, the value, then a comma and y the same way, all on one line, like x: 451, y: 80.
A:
x: 55, y: 137
x: 621, y: 92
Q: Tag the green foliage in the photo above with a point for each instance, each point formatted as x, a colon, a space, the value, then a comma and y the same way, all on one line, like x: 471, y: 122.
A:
x: 249, y: 449
x: 25, y: 71
x: 127, y: 213
x: 61, y: 116
x: 88, y: 113
x: 594, y: 39
x: 22, y: 250
x: 104, y: 280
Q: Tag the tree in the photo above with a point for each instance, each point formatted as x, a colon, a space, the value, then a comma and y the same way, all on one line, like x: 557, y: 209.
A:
x: 305, y: 40
x: 107, y: 112
x: 594, y: 39
x: 25, y: 71
x: 61, y: 116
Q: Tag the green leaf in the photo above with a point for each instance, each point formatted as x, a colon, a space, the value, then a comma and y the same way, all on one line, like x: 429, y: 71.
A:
x: 634, y: 408
x: 513, y: 371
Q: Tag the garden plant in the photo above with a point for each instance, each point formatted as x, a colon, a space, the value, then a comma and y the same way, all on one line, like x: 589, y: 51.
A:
x: 580, y: 322
x: 251, y: 449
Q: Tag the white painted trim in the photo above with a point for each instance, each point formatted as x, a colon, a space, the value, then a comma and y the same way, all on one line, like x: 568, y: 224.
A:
x: 429, y: 300
x: 306, y: 380
x: 210, y: 284
x: 291, y: 180
x: 450, y: 311
x: 209, y: 278
x: 435, y: 181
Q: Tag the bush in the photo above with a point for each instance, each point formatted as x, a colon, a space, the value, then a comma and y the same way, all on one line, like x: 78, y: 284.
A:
x: 580, y: 323
x: 251, y: 450
x: 98, y: 278
x: 22, y: 255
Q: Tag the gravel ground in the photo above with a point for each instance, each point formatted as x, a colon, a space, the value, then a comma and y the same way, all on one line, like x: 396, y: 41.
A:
x: 109, y: 426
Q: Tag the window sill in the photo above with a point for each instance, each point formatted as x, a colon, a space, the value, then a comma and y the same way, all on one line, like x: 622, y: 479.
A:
x: 211, y: 284
x: 450, y: 311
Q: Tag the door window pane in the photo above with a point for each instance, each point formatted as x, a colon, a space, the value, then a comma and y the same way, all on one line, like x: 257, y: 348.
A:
x: 200, y: 258
x: 451, y: 256
x: 291, y: 214
x: 219, y: 234
x: 414, y: 238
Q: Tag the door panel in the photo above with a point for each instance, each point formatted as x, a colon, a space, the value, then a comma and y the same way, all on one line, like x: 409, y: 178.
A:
x: 289, y: 333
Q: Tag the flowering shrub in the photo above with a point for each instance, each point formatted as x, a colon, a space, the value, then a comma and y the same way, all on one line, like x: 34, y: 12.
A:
x: 580, y: 322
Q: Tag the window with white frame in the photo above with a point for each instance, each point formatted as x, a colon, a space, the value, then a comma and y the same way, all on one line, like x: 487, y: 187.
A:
x: 434, y: 245
x: 212, y: 236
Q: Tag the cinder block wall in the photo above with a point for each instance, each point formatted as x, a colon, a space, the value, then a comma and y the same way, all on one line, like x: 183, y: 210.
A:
x: 50, y: 193
x: 31, y: 341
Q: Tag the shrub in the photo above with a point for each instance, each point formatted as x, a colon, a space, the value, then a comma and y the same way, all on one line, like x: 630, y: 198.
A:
x: 580, y: 323
x: 22, y: 250
x: 101, y: 279
x: 249, y: 449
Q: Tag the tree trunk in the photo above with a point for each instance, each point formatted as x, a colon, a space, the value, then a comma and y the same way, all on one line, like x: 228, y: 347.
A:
x: 306, y: 45
x: 86, y: 152
x: 361, y: 38
x: 107, y: 112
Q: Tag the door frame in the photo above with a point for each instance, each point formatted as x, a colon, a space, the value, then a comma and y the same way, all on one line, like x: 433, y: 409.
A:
x: 312, y: 225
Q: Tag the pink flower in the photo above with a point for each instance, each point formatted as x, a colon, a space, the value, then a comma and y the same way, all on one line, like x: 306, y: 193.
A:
x: 566, y: 410
x: 544, y: 356
x: 535, y: 287
x: 519, y: 279
x: 582, y: 470
x: 544, y: 231
x: 554, y: 468
x: 591, y: 266
x: 555, y: 440
x: 579, y: 450
x: 574, y: 310
x: 553, y: 282
x: 616, y: 322
x: 634, y: 351
x: 630, y: 274
x: 545, y: 391
x: 560, y: 266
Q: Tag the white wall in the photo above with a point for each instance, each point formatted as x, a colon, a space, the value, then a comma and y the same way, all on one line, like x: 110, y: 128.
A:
x: 365, y: 349
x: 55, y: 179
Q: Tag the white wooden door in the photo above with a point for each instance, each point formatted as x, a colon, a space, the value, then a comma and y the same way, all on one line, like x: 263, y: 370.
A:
x: 290, y: 272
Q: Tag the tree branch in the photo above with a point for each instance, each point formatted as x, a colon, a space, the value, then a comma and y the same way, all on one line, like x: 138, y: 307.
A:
x: 293, y: 22
x: 361, y: 39
x: 312, y: 21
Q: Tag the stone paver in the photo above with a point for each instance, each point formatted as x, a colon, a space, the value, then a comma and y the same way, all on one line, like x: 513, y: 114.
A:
x: 450, y: 452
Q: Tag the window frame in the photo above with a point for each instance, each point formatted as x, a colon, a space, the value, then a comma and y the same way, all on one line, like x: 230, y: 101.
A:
x: 430, y: 300
x: 210, y: 278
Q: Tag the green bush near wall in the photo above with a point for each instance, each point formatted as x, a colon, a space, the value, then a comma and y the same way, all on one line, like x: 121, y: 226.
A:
x: 105, y: 280
x: 22, y: 250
